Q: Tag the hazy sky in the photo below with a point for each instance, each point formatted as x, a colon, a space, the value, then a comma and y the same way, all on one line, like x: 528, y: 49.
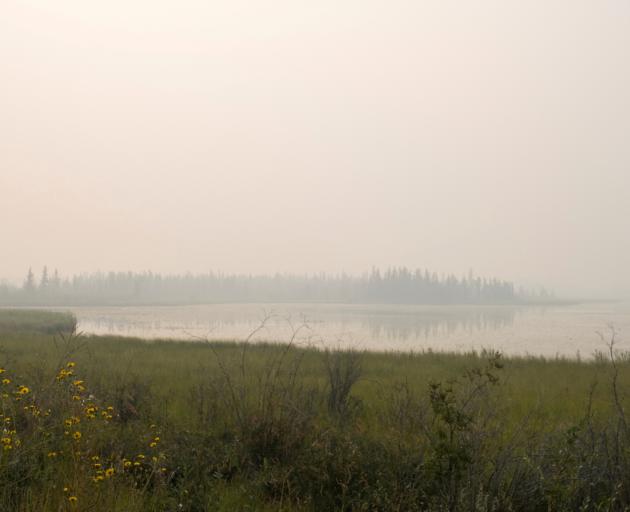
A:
x: 318, y: 136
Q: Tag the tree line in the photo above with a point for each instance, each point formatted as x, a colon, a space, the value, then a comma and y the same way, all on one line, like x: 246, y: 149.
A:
x: 392, y: 286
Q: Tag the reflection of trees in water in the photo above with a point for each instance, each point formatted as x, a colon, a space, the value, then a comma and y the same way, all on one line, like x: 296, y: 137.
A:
x: 389, y: 324
x: 402, y: 328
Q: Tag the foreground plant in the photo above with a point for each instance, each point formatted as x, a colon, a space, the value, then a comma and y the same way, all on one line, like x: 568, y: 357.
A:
x: 63, y: 437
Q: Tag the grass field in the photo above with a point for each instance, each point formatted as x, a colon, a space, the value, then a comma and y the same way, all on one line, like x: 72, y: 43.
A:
x: 107, y: 423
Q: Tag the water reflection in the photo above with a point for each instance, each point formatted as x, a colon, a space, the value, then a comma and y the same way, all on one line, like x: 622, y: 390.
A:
x: 549, y: 331
x: 421, y: 326
x: 385, y: 326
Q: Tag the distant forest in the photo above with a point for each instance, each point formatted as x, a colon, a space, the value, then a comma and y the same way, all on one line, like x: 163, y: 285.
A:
x: 393, y: 286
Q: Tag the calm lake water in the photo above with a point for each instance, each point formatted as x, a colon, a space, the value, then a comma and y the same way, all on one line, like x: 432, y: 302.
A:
x: 551, y: 330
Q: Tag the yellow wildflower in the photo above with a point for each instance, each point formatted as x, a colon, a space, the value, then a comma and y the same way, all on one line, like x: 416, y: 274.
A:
x: 109, y: 472
x: 77, y: 435
x: 6, y: 381
x: 23, y: 390
x: 72, y: 499
x: 71, y: 364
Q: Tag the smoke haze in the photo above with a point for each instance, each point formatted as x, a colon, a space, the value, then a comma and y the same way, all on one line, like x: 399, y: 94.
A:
x: 293, y: 136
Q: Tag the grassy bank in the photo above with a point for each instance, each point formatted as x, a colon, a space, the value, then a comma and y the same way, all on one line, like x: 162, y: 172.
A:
x: 14, y: 321
x: 106, y: 423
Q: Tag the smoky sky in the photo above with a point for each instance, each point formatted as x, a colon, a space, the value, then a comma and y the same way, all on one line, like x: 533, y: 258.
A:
x: 295, y: 136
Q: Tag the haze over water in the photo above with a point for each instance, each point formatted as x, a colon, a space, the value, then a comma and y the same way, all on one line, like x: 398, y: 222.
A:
x: 564, y: 330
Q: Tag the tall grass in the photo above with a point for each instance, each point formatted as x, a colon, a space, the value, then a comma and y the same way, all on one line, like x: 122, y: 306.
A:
x: 226, y: 426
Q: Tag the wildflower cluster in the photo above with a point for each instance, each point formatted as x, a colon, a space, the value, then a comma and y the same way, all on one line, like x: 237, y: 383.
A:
x: 101, y: 472
x: 9, y: 409
x: 68, y: 432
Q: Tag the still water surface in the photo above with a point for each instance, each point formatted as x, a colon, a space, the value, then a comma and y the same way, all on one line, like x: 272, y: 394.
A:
x: 549, y: 331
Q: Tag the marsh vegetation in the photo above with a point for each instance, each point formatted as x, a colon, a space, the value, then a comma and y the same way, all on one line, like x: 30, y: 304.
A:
x: 108, y: 423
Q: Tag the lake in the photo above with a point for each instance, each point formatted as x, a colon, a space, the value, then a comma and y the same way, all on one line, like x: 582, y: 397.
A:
x: 566, y: 330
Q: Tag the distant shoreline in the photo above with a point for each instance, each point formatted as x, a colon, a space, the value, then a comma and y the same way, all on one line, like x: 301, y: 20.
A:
x: 122, y: 304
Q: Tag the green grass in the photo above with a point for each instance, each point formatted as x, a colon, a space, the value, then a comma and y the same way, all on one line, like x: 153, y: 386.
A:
x: 251, y: 427
x: 557, y: 387
x: 14, y: 321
